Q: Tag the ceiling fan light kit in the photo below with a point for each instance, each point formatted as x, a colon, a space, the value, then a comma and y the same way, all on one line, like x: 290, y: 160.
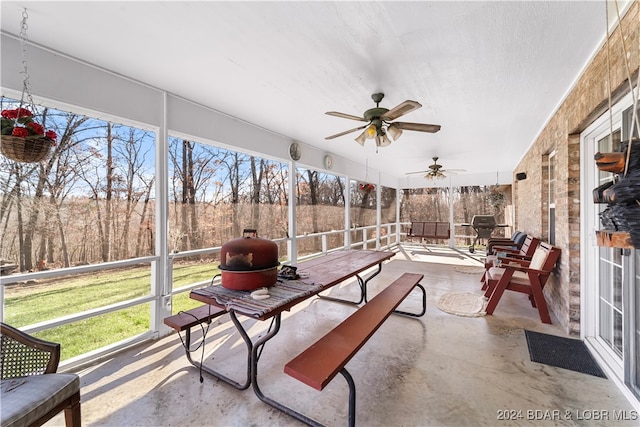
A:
x: 382, y: 140
x: 435, y: 176
x: 379, y: 122
x: 394, y: 131
x: 361, y: 138
x: 435, y: 171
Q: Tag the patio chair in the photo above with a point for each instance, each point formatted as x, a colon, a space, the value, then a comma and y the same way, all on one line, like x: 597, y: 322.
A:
x: 528, y: 277
x: 516, y: 240
x: 32, y: 392
x: 507, y: 255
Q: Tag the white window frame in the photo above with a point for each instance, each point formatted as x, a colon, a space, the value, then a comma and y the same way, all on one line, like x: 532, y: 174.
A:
x: 552, y: 196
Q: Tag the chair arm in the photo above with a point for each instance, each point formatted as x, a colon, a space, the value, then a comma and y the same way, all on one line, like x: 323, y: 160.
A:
x: 511, y: 262
x: 514, y: 256
x: 524, y: 269
x: 510, y: 249
x: 500, y: 240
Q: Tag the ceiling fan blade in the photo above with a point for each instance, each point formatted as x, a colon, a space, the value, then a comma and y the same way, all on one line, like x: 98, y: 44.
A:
x: 345, y: 116
x: 345, y: 132
x: 420, y: 127
x: 453, y: 171
x: 412, y: 173
x: 400, y: 110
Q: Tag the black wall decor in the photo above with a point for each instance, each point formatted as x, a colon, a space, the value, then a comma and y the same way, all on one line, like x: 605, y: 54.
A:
x: 622, y: 194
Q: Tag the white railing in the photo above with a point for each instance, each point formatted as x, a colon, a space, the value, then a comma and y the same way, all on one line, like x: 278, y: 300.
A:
x: 391, y: 235
x: 389, y: 239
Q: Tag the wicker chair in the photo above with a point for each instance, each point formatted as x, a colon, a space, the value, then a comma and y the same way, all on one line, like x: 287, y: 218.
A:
x: 32, y: 392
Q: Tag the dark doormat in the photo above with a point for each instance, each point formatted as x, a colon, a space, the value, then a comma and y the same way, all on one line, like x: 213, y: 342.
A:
x: 566, y: 353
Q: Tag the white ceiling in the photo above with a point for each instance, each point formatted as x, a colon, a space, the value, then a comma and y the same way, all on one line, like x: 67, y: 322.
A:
x: 491, y: 73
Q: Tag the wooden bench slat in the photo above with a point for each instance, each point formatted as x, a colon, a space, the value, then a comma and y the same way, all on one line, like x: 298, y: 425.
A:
x: 320, y: 363
x: 429, y: 229
x: 417, y: 229
x: 195, y: 316
x: 443, y: 230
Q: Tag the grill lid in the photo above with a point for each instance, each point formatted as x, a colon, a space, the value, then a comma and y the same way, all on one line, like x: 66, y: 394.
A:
x: 483, y: 221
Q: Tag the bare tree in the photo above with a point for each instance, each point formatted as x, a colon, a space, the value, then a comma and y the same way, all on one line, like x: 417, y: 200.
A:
x: 194, y: 168
x: 134, y: 174
x: 36, y: 224
x: 312, y: 180
x: 257, y: 173
x: 188, y: 196
x: 108, y: 207
x: 63, y: 172
x: 233, y: 161
x: 145, y: 228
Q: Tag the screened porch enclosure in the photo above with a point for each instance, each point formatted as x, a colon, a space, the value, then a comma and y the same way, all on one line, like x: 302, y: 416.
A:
x: 84, y: 226
x: 159, y: 162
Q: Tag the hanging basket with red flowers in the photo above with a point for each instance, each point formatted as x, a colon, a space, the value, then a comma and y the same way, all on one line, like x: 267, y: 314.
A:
x: 367, y: 187
x: 23, y: 139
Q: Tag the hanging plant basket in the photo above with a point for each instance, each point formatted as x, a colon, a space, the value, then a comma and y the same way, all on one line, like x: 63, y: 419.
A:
x: 26, y: 150
x: 497, y: 198
x: 366, y: 187
x: 22, y: 138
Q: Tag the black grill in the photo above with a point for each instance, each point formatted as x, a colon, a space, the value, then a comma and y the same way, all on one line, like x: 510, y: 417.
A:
x: 483, y: 226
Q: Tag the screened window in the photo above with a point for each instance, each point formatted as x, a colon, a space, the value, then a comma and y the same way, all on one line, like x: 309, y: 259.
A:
x: 90, y: 202
x: 320, y: 200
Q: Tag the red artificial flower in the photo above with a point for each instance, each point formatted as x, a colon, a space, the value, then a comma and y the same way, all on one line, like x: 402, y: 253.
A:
x: 23, y: 112
x: 51, y: 135
x: 36, y: 128
x: 21, y: 132
x: 18, y: 112
x: 19, y: 122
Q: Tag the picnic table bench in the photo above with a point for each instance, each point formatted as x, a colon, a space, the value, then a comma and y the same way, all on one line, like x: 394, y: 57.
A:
x: 319, y: 364
x: 185, y: 320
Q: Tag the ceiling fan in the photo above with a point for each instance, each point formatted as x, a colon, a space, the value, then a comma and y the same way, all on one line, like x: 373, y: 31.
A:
x: 435, y: 171
x: 379, y: 122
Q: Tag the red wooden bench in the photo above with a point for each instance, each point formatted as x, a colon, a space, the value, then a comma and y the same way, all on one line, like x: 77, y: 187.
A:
x: 320, y: 363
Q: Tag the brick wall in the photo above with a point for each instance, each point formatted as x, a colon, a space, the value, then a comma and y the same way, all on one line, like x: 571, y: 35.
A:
x: 588, y: 100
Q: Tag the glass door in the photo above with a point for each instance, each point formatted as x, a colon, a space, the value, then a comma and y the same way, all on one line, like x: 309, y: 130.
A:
x: 610, y: 277
x: 610, y: 269
x: 633, y: 359
x: 631, y: 127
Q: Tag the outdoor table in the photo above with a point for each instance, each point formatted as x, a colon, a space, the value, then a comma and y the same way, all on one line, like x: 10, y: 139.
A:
x: 317, y: 275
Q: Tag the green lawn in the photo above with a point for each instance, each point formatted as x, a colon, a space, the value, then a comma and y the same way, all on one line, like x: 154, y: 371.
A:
x: 30, y: 303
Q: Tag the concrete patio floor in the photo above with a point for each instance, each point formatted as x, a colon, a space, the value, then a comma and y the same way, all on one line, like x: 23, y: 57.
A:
x: 438, y: 370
